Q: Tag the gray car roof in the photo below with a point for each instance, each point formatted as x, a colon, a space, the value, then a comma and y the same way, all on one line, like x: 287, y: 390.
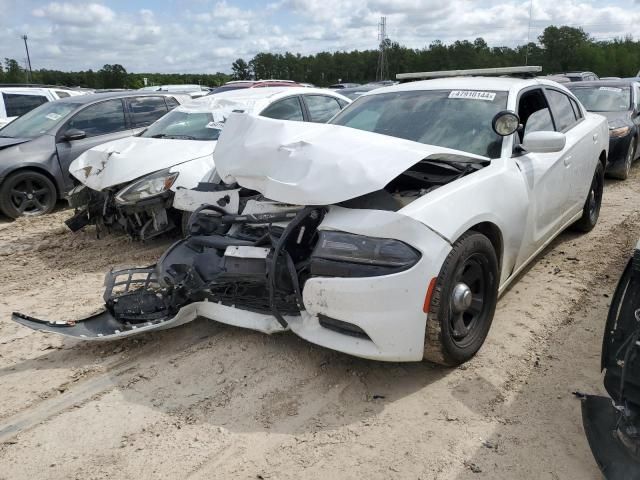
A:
x: 94, y: 97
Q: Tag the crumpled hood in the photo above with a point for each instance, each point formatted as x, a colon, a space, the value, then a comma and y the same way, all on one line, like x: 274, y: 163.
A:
x: 124, y: 160
x: 313, y: 164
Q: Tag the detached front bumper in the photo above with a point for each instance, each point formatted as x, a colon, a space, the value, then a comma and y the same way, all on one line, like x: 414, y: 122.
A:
x: 378, y: 317
x: 142, y: 220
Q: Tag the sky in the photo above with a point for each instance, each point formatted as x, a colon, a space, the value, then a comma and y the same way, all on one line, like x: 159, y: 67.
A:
x: 206, y: 36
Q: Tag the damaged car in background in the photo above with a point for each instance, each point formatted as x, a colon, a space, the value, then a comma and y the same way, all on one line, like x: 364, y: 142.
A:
x: 128, y: 185
x: 612, y: 424
x: 387, y: 233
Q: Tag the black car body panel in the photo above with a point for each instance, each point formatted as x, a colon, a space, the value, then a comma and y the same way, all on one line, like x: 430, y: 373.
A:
x: 612, y: 425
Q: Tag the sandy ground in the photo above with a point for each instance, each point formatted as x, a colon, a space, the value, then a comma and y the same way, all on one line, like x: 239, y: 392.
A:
x: 210, y: 401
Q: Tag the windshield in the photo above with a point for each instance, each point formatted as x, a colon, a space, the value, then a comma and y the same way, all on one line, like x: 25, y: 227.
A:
x: 39, y: 120
x: 604, y: 99
x: 459, y: 119
x: 187, y: 126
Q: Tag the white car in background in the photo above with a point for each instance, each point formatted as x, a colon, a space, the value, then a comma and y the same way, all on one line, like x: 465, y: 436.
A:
x: 388, y: 233
x: 129, y: 184
x: 16, y: 101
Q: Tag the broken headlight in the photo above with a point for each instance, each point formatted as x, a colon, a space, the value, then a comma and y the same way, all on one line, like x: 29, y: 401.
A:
x: 149, y: 186
x: 342, y: 254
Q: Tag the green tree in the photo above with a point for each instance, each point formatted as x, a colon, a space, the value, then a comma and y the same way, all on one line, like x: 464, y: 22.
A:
x: 13, y: 72
x: 241, y: 70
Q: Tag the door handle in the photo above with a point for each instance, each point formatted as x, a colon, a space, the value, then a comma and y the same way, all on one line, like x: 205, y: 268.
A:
x: 595, y: 137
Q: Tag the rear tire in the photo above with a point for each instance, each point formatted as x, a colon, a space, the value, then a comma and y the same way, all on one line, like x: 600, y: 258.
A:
x: 591, y: 209
x: 27, y: 193
x: 463, y: 301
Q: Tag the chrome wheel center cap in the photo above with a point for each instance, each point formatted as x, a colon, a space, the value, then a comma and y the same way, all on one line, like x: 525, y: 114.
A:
x: 461, y: 297
x: 30, y: 196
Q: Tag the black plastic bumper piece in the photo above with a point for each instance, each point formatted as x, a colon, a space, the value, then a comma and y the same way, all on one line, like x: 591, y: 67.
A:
x: 600, y: 420
x: 99, y: 325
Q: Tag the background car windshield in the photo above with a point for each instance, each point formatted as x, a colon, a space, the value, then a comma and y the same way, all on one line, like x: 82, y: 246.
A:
x: 39, y: 120
x: 604, y: 99
x: 185, y: 126
x: 459, y: 119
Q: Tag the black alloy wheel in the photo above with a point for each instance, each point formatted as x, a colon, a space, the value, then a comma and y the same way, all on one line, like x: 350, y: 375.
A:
x: 463, y: 301
x: 27, y: 193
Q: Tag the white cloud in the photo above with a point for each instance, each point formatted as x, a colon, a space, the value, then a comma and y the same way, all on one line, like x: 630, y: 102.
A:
x: 75, y: 14
x: 207, y: 35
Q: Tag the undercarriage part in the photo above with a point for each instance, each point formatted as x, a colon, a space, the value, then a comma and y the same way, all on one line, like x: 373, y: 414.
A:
x: 79, y: 220
x: 614, y: 443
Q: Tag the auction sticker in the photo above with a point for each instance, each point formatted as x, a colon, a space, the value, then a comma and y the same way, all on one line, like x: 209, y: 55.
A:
x: 611, y: 89
x: 53, y: 116
x: 473, y: 95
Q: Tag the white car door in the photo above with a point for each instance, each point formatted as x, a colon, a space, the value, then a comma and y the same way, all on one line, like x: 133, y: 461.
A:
x: 546, y: 176
x: 578, y: 152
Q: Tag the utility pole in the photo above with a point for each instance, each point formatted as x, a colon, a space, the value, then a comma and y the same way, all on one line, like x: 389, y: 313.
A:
x: 24, y: 37
x: 526, y: 54
x: 382, y: 70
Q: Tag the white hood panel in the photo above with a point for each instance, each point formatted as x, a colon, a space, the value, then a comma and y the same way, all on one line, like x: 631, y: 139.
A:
x: 127, y: 159
x: 310, y: 163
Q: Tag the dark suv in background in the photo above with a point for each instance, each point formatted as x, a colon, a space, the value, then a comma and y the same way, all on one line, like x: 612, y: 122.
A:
x: 37, y: 148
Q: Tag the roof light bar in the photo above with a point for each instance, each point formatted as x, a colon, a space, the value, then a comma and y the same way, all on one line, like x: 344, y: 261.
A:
x: 487, y: 72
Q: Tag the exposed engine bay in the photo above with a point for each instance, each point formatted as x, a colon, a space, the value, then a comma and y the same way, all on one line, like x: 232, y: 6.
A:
x: 143, y: 220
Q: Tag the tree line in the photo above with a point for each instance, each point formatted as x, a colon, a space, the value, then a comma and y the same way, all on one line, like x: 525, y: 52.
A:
x: 558, y: 49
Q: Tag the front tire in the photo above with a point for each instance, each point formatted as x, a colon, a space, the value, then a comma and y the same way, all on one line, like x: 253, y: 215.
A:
x: 628, y: 160
x: 463, y: 301
x: 27, y: 193
x: 591, y: 209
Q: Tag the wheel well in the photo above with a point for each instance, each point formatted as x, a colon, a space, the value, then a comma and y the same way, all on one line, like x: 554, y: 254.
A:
x: 493, y: 233
x: 603, y: 159
x: 40, y: 171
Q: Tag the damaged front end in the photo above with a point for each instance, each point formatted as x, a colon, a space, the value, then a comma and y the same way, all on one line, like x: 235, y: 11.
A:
x: 612, y: 425
x: 110, y: 212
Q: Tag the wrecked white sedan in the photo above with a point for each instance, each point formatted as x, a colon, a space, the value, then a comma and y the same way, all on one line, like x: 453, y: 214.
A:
x: 128, y: 184
x: 387, y: 234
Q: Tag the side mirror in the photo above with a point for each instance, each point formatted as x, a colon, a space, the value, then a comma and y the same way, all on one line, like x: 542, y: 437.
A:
x: 74, y: 134
x: 505, y: 123
x: 544, y: 142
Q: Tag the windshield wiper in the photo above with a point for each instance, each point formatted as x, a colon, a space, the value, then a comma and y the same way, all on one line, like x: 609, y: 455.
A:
x: 178, y: 137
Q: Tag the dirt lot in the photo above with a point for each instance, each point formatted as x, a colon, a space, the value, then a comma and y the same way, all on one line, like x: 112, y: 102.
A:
x: 210, y: 401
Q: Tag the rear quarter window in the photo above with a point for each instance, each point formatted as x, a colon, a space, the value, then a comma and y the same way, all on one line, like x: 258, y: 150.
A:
x: 17, y: 104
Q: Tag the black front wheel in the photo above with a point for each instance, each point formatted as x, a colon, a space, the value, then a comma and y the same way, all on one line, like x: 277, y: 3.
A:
x: 27, y: 193
x: 591, y: 209
x: 463, y: 301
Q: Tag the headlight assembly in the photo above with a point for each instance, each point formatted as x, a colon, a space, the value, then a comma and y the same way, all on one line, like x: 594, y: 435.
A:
x: 618, y: 129
x: 345, y: 254
x: 147, y: 187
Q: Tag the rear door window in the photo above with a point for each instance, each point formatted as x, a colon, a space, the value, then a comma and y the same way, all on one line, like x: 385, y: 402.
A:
x: 321, y: 107
x: 17, y: 104
x: 171, y: 102
x: 100, y: 118
x: 562, y: 110
x: 146, y: 110
x: 286, y: 109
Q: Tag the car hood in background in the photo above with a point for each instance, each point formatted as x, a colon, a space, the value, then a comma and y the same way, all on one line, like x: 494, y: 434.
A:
x: 127, y: 159
x: 315, y: 164
x: 9, y: 142
x: 617, y: 116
